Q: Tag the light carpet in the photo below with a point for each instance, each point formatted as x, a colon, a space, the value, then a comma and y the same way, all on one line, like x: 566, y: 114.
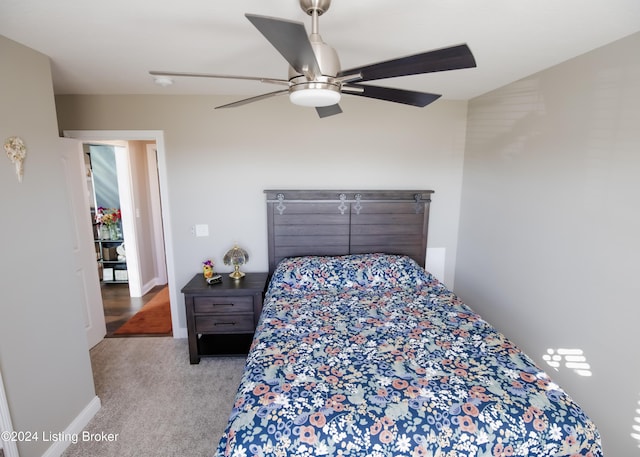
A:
x: 157, y: 403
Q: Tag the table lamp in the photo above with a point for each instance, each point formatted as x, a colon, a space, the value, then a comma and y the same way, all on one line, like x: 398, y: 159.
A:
x: 236, y: 256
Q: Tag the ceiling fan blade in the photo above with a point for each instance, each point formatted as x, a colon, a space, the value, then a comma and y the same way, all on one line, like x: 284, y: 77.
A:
x: 291, y: 40
x: 452, y: 58
x: 211, y: 75
x: 408, y: 97
x: 253, y: 99
x: 326, y: 111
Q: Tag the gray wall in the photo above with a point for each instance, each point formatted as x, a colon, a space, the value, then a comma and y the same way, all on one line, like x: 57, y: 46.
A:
x: 219, y: 162
x: 43, y: 349
x: 549, y: 234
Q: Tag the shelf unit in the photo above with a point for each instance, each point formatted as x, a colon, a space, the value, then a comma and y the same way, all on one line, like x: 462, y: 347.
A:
x: 111, y: 270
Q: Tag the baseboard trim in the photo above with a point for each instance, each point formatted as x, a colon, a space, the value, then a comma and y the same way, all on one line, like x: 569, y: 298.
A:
x: 146, y: 287
x: 180, y: 332
x: 75, y: 428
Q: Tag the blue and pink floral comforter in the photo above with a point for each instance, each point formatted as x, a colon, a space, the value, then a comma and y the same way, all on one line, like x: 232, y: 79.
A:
x: 369, y: 355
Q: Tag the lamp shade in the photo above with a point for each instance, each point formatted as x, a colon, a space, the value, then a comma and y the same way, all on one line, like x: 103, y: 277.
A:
x: 236, y: 256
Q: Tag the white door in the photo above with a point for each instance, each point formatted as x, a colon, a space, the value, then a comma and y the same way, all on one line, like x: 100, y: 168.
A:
x: 86, y: 266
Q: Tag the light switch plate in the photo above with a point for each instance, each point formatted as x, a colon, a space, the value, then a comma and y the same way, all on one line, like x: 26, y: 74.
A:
x: 202, y: 230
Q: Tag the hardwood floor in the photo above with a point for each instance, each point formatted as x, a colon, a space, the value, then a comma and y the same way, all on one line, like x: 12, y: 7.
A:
x: 119, y: 306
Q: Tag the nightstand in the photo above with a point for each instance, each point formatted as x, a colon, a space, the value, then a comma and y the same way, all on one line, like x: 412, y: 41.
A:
x: 221, y: 318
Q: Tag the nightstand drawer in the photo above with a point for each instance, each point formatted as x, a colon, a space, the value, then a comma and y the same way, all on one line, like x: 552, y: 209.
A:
x: 227, y: 323
x: 225, y: 305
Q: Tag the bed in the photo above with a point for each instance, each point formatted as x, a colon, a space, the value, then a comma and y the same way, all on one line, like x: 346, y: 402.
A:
x: 367, y: 354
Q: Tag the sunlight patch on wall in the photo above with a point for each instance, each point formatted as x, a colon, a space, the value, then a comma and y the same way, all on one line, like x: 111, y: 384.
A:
x: 573, y: 359
x: 636, y: 426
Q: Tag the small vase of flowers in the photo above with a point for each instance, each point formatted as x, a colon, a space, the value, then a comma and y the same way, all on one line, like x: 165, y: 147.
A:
x: 109, y: 218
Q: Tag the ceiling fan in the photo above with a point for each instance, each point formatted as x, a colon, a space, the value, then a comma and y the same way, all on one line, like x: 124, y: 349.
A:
x: 315, y: 77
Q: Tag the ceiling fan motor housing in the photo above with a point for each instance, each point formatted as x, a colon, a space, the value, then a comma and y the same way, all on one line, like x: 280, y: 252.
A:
x: 326, y: 56
x: 320, y: 6
x: 321, y: 90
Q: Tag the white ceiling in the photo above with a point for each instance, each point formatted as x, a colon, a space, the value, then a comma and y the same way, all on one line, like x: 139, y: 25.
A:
x: 108, y: 47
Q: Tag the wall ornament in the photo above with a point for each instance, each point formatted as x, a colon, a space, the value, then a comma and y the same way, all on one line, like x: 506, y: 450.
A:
x: 16, y: 151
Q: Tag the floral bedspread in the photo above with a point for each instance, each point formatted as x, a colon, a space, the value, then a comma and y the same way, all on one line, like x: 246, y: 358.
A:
x: 369, y: 355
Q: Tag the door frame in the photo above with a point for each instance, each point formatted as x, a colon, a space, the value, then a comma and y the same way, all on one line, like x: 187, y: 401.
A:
x: 158, y: 137
x: 129, y: 221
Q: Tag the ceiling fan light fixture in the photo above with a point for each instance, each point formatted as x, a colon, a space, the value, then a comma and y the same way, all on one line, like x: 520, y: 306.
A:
x: 314, y: 94
x: 314, y: 97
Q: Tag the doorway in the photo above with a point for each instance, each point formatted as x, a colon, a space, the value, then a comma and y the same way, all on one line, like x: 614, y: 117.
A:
x: 128, y: 237
x: 144, y: 147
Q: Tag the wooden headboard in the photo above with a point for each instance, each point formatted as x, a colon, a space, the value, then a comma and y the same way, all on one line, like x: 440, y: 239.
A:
x: 338, y: 222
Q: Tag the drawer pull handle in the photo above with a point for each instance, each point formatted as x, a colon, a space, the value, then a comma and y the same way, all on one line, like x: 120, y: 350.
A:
x: 225, y: 323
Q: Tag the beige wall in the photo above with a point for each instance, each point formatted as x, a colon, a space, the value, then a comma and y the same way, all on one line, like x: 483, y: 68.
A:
x: 218, y: 162
x: 549, y: 233
x: 142, y: 201
x: 43, y: 348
